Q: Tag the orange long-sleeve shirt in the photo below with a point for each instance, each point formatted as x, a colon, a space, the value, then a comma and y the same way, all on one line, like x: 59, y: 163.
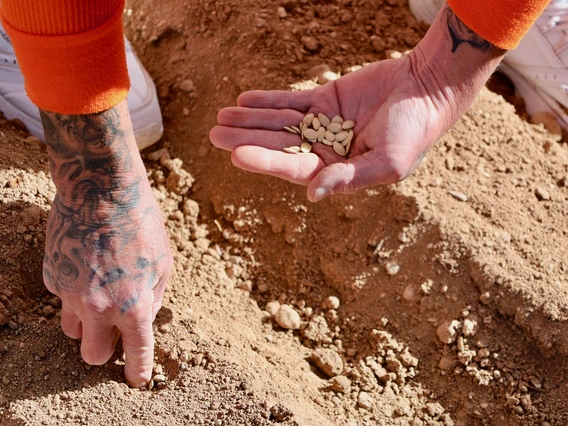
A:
x: 71, y: 52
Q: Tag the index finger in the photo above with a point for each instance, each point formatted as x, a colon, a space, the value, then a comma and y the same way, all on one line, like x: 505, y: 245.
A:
x: 138, y: 345
x: 276, y: 99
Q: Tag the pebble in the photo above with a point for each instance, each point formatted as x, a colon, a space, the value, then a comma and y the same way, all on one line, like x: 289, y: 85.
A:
x: 48, y: 311
x: 470, y: 326
x: 322, y: 73
x: 187, y: 85
x: 460, y: 196
x: 159, y: 378
x: 340, y: 384
x: 330, y: 302
x: 364, y: 400
x: 272, y: 307
x: 447, y: 331
x: 310, y: 43
x: 392, y: 268
x: 280, y: 413
x: 282, y: 12
x: 13, y: 325
x: 288, y: 318
x: 542, y: 194
x: 328, y: 361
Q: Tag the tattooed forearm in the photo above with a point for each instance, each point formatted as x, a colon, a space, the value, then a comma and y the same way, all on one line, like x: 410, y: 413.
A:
x: 461, y: 34
x: 94, y: 231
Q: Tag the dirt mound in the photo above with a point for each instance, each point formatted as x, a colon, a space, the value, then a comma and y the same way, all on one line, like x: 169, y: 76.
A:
x: 436, y: 301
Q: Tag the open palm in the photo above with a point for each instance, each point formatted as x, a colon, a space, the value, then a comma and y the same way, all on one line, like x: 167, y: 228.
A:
x: 397, y: 120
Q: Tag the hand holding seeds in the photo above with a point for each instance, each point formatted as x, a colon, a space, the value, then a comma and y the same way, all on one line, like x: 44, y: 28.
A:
x: 396, y: 111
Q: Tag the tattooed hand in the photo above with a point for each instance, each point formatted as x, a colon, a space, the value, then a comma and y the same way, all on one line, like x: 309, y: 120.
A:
x: 107, y: 254
x: 400, y: 107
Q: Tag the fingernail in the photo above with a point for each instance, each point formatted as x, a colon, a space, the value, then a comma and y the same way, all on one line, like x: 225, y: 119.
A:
x: 321, y: 193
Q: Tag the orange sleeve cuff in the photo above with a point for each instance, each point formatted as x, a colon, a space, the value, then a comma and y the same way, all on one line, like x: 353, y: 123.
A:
x: 502, y: 23
x: 64, y: 71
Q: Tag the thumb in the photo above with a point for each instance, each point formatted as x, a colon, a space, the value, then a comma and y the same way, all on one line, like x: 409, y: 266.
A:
x: 360, y: 172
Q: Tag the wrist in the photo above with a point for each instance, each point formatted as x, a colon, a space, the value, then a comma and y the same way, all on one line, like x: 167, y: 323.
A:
x: 453, y: 62
x: 92, y: 154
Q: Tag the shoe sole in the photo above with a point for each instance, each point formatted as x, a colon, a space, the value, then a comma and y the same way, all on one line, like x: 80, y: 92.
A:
x: 536, y: 100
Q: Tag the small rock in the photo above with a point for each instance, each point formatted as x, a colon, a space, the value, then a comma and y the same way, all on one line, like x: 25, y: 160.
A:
x: 542, y: 194
x: 187, y: 345
x: 330, y: 302
x: 364, y: 400
x: 323, y: 74
x: 280, y: 413
x: 446, y: 363
x: 328, y: 361
x: 410, y: 293
x: 13, y: 325
x: 340, y: 384
x: 470, y: 326
x: 460, y: 196
x: 159, y: 378
x: 272, y: 307
x: 187, y: 85
x: 310, y: 43
x: 288, y: 318
x: 392, y: 268
x: 450, y: 163
x: 191, y: 208
x: 393, y: 54
x: 378, y: 44
x: 48, y: 311
x: 263, y: 288
x: 447, y: 331
x: 245, y: 285
x: 282, y: 12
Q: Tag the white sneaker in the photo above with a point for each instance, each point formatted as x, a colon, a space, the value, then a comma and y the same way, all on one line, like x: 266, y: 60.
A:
x: 538, y: 67
x: 142, y: 99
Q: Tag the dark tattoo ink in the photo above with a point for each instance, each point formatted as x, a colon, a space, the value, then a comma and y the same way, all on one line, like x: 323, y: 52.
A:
x: 91, y: 229
x: 461, y: 34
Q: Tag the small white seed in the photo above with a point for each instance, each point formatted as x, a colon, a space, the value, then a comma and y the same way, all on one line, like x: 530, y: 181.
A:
x: 292, y: 149
x: 296, y: 129
x: 348, y: 124
x: 323, y: 119
x: 326, y: 142
x: 330, y: 136
x: 334, y: 128
x: 306, y: 147
x: 316, y: 123
x: 321, y: 133
x: 337, y: 119
x: 308, y: 119
x: 310, y: 134
x: 338, y: 148
x: 290, y: 129
x: 341, y: 136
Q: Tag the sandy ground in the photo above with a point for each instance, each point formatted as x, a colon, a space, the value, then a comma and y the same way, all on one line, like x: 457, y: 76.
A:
x: 440, y: 300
